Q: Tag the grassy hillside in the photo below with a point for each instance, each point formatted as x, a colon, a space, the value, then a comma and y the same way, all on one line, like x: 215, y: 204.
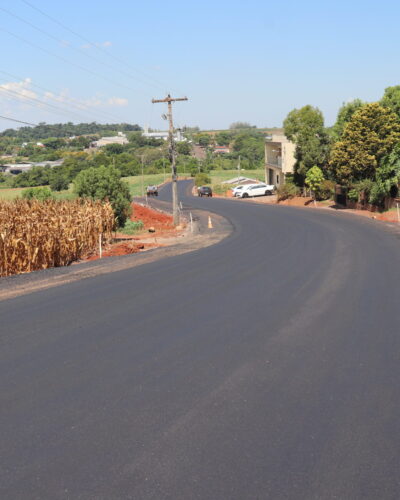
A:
x: 135, y: 183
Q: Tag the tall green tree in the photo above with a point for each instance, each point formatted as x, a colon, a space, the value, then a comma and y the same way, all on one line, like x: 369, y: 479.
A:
x: 344, y: 116
x: 305, y: 127
x: 391, y: 99
x: 249, y: 146
x: 371, y: 134
x: 387, y: 177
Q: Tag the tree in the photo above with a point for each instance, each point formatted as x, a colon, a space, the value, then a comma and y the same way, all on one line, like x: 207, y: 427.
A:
x: 387, y: 177
x: 371, y: 134
x: 58, y: 181
x: 305, y: 127
x: 54, y: 143
x: 36, y: 176
x: 249, y: 146
x: 224, y: 138
x: 314, y: 180
x: 37, y: 193
x: 183, y: 148
x: 344, y: 116
x: 114, y: 149
x: 240, y: 125
x: 204, y: 139
x: 391, y: 99
x: 104, y: 183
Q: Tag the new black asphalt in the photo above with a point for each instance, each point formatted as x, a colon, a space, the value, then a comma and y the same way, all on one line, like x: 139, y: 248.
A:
x: 264, y: 367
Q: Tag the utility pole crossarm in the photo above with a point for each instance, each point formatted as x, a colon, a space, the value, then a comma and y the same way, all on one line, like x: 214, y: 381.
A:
x: 169, y: 99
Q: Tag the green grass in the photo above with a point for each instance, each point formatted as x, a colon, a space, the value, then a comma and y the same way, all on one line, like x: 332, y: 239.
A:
x: 10, y: 193
x: 135, y: 182
x: 132, y: 227
x: 13, y: 193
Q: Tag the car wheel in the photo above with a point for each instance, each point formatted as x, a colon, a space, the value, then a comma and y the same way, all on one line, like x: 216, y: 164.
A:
x: 268, y: 193
x: 245, y: 195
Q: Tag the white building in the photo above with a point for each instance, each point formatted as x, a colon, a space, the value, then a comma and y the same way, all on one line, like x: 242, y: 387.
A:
x: 116, y: 139
x: 163, y: 135
x: 279, y: 158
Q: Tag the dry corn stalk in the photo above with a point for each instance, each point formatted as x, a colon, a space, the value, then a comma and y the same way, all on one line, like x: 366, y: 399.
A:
x: 40, y: 234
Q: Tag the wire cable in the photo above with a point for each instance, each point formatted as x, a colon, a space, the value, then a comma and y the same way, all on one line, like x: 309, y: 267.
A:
x: 161, y: 85
x: 22, y: 97
x: 58, y: 40
x: 74, y: 102
x: 67, y: 61
x: 18, y: 121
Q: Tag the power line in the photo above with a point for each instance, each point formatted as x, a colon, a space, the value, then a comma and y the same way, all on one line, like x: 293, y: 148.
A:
x: 22, y: 96
x: 18, y: 121
x: 66, y: 60
x: 158, y: 83
x: 58, y: 40
x: 74, y: 102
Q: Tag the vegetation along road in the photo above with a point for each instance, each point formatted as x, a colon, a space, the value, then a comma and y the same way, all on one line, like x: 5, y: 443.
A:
x: 266, y: 366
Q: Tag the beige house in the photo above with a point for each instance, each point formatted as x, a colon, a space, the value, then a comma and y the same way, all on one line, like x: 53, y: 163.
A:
x: 279, y: 159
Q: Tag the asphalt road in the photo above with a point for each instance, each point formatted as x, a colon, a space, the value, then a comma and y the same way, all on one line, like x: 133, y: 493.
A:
x: 264, y: 367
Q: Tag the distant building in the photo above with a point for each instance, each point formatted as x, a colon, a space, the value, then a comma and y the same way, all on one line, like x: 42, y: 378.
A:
x: 17, y: 168
x: 116, y: 139
x: 279, y: 158
x: 222, y: 150
x: 178, y: 136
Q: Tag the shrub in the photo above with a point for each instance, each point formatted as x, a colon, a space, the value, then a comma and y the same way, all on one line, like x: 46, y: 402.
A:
x: 287, y: 191
x: 378, y: 193
x: 353, y: 195
x: 201, y: 179
x: 220, y: 188
x: 58, y: 181
x: 39, y: 193
x: 327, y: 190
x: 132, y: 226
x: 314, y: 179
x: 104, y: 183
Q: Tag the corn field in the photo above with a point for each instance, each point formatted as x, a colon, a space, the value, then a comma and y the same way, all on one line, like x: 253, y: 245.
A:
x: 40, y: 234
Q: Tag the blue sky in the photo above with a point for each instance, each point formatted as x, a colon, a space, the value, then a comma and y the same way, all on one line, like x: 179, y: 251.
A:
x: 250, y: 61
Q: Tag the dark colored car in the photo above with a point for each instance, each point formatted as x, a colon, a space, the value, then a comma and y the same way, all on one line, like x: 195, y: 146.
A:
x: 204, y: 191
x: 152, y: 191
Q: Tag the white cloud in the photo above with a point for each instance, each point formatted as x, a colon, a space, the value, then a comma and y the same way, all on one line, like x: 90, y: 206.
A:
x: 17, y: 90
x: 117, y: 101
x: 22, y: 93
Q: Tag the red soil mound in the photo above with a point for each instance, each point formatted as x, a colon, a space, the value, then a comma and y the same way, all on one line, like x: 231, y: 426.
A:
x: 151, y: 218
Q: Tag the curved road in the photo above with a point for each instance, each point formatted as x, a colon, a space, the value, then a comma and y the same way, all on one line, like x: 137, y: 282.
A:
x: 264, y: 367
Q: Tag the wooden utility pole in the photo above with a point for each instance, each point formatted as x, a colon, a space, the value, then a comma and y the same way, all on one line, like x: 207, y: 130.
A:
x: 172, y: 155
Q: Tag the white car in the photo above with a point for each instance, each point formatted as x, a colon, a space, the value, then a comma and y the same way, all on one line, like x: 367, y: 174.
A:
x: 236, y: 190
x: 260, y: 189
